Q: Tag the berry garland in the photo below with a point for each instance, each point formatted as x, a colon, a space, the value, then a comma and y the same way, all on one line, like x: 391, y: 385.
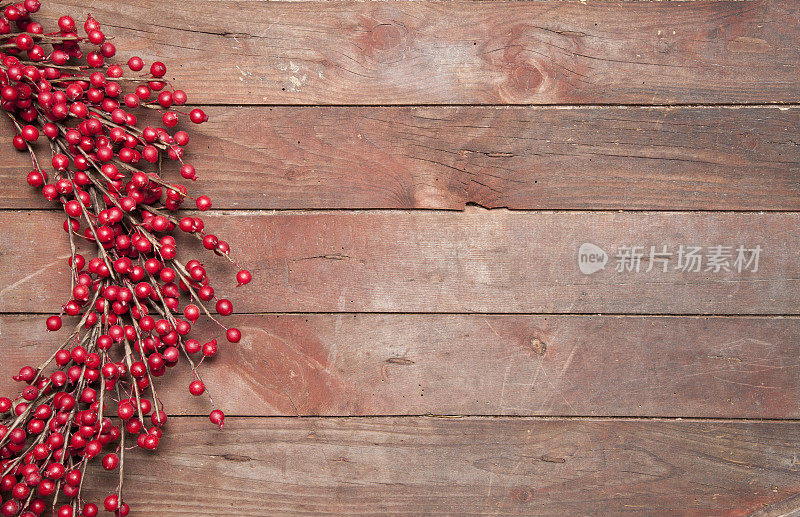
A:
x: 96, y: 396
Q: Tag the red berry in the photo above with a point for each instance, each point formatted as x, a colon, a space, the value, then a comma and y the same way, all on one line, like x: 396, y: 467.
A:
x: 206, y: 293
x: 95, y: 59
x: 181, y: 138
x: 111, y: 503
x: 66, y: 24
x: 158, y: 69
x: 192, y: 346
x: 243, y: 277
x: 60, y: 162
x: 96, y: 37
x: 47, y: 487
x: 210, y: 348
x: 30, y: 133
x: 188, y: 172
x: 19, y: 143
x: 110, y: 461
x: 148, y: 442
x: 24, y: 41
x: 197, y: 388
x: 224, y: 307
x: 20, y: 491
x: 217, y: 417
x: 143, y: 92
x: 10, y: 508
x: 210, y: 241
x: 9, y: 93
x: 91, y: 24
x: 125, y: 410
x: 55, y: 471
x: 198, y: 116
x: 170, y: 119
x: 93, y: 448
x: 50, y: 130
x: 35, y: 179
x: 192, y: 312
x: 165, y: 99
x: 179, y: 97
x: 53, y: 323
x: 203, y: 203
x: 135, y: 63
x: 108, y: 49
x: 233, y: 335
x: 158, y: 418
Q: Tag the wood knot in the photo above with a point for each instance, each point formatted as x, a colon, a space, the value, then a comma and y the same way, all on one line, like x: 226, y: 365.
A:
x: 526, y: 78
x: 523, y: 81
x: 386, y: 36
x: 538, y: 346
x: 521, y: 494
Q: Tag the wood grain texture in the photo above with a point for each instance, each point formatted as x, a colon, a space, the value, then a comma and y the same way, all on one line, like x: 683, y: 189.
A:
x: 521, y: 158
x: 469, y: 466
x: 463, y: 52
x: 321, y: 364
x: 344, y: 370
x: 479, y: 260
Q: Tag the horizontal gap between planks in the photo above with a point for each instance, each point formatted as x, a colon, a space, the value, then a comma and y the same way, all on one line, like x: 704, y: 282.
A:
x: 779, y: 105
x: 469, y: 206
x: 791, y: 315
x: 733, y: 105
x: 515, y: 2
x: 592, y: 418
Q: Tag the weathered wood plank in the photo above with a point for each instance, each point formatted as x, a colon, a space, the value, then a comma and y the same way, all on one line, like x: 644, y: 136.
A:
x: 250, y: 52
x: 472, y: 261
x: 522, y: 158
x: 322, y: 364
x: 413, y: 466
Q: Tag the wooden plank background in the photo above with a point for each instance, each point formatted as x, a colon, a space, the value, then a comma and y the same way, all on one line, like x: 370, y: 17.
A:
x: 454, y: 262
x: 416, y: 364
x: 347, y: 145
x: 665, y: 158
x: 468, y: 465
x: 246, y: 52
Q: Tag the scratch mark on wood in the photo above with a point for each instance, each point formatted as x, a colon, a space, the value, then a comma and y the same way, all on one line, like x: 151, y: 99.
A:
x: 491, y: 327
x: 236, y: 457
x: 399, y: 360
x: 283, y: 387
x: 331, y: 256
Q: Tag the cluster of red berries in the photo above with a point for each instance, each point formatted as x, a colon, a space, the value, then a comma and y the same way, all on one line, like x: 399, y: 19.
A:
x: 134, y: 302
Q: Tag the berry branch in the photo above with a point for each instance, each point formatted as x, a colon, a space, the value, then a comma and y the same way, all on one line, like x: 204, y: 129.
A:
x: 134, y: 302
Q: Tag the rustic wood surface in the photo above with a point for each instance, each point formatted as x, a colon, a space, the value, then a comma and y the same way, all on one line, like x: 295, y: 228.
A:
x: 378, y: 364
x: 450, y: 262
x: 468, y: 466
x: 522, y: 158
x: 249, y: 52
x: 682, y: 116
